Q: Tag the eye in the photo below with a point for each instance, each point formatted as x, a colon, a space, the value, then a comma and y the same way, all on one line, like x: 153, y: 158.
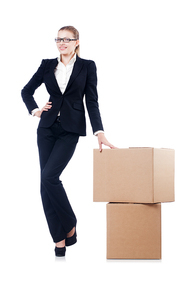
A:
x: 58, y: 39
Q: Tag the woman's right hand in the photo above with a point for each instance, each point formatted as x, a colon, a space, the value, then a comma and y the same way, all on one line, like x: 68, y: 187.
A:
x: 47, y: 107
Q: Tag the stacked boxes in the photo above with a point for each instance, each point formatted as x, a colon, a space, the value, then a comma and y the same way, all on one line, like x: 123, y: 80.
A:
x: 135, y: 181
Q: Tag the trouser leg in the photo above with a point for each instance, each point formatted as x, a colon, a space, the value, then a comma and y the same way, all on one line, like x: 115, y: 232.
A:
x: 56, y: 148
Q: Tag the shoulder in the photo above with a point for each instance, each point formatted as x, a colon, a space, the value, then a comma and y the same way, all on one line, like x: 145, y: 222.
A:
x: 49, y: 61
x: 85, y: 61
x: 89, y: 65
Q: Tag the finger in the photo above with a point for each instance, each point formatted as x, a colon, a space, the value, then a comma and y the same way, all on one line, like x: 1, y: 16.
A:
x: 100, y: 146
x: 112, y: 146
x: 47, y: 107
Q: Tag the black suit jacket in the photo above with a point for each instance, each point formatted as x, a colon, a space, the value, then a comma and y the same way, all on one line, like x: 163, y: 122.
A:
x: 83, y: 81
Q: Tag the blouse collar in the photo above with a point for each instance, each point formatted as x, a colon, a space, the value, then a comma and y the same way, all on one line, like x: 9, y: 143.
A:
x: 62, y: 66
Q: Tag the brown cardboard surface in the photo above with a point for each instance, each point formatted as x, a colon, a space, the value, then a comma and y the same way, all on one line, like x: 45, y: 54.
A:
x: 133, y: 231
x: 164, y: 175
x: 140, y: 175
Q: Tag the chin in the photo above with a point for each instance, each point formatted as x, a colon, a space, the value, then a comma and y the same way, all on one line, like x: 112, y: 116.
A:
x: 64, y: 52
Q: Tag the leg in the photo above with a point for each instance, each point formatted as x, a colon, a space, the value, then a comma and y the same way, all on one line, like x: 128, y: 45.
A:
x: 46, y: 141
x: 59, y: 214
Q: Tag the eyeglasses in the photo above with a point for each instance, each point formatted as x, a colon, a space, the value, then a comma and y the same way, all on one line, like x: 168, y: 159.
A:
x: 65, y: 40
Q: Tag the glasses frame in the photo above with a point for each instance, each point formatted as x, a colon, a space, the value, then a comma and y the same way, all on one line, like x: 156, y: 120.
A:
x: 65, y: 40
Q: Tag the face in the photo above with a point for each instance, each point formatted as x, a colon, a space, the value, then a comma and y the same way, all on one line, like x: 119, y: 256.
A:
x: 66, y: 48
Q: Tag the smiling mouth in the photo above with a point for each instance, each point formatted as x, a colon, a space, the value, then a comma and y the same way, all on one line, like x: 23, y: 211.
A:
x: 62, y: 48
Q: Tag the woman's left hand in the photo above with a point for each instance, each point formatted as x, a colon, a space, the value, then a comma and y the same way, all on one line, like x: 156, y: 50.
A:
x: 102, y: 140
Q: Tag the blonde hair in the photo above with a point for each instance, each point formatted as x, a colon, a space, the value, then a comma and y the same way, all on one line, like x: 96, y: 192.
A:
x: 75, y: 33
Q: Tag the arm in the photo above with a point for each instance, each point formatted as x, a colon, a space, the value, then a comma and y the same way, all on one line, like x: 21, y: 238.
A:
x: 91, y: 97
x: 93, y: 106
x: 29, y: 89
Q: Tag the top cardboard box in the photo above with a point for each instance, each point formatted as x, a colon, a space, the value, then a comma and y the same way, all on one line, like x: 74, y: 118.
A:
x: 138, y: 175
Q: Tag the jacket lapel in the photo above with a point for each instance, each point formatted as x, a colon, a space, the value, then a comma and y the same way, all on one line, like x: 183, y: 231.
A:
x: 52, y: 75
x: 76, y: 70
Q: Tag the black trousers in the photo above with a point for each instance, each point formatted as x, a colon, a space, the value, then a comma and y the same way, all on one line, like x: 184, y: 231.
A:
x: 56, y: 147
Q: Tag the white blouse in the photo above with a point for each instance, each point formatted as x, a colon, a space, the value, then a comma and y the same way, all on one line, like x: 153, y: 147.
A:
x: 63, y: 73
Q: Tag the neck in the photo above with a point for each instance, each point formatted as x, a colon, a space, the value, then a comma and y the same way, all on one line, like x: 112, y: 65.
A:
x: 65, y: 59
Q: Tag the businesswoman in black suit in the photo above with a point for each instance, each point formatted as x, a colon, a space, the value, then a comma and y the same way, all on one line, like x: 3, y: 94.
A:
x: 62, y: 121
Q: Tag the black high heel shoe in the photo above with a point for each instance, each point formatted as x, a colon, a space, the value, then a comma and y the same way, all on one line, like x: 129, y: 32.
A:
x: 71, y: 240
x: 60, y: 252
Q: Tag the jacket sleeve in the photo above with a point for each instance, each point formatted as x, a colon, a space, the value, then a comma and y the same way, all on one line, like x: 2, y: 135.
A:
x: 91, y: 98
x: 29, y: 89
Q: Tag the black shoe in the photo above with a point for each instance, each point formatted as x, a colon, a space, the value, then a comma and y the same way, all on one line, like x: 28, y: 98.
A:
x: 60, y: 252
x: 71, y: 240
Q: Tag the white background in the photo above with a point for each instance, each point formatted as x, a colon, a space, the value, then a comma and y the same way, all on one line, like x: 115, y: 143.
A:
x: 145, y: 53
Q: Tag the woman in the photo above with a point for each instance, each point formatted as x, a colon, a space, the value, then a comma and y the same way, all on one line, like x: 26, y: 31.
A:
x: 62, y: 121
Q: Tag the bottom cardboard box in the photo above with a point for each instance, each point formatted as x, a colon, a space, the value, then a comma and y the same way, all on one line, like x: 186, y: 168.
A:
x: 133, y: 231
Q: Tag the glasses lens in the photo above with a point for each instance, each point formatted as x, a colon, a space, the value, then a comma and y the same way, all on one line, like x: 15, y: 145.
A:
x: 65, y: 40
